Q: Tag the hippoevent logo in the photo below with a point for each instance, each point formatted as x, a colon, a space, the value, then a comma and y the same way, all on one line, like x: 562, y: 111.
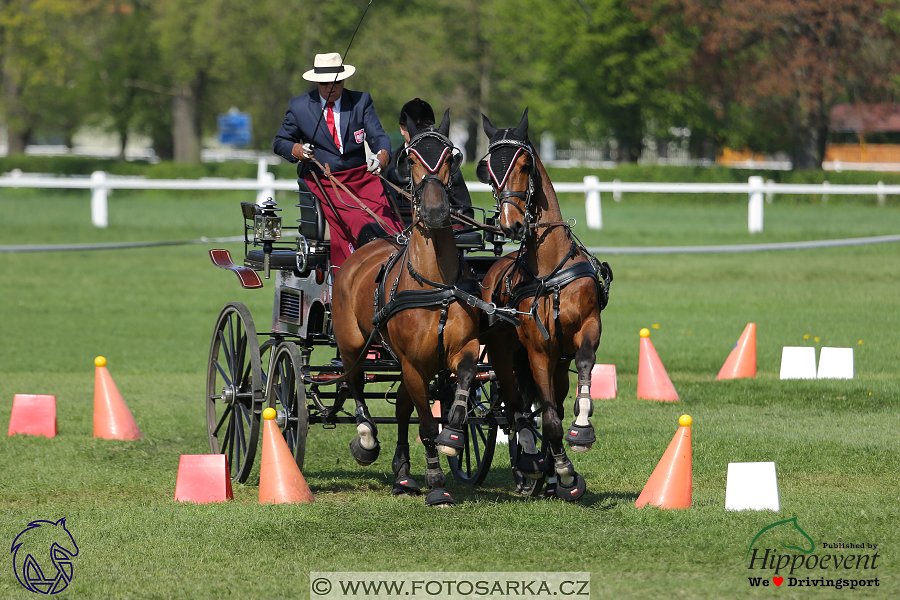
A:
x: 42, y: 557
x: 838, y: 565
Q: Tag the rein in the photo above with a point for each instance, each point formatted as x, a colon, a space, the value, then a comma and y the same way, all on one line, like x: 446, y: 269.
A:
x: 337, y: 184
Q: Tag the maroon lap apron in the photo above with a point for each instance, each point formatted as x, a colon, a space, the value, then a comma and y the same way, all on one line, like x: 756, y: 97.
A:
x: 344, y: 215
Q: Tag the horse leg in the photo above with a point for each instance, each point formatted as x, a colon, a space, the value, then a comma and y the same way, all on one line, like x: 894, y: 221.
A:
x: 450, y: 439
x: 404, y: 485
x: 569, y: 485
x: 580, y: 435
x: 365, y: 448
x: 530, y: 462
x: 417, y: 388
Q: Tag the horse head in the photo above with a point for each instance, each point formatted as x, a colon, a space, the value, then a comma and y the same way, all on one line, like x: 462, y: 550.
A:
x: 429, y: 160
x: 509, y: 169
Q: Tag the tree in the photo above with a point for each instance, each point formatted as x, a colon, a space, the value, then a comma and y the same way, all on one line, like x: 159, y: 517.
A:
x: 588, y: 69
x: 39, y: 54
x: 789, y: 60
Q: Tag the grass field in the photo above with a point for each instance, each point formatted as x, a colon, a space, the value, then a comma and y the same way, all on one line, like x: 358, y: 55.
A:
x: 151, y: 312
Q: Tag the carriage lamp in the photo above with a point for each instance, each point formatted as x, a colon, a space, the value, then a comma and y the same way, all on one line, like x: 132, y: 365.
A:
x: 267, y: 229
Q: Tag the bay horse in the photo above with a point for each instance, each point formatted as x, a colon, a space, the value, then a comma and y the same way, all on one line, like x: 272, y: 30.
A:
x: 559, y: 289
x: 424, y: 302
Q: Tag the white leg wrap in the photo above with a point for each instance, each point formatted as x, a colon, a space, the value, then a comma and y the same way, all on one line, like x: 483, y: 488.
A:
x: 366, y: 439
x: 527, y: 441
x: 584, y: 409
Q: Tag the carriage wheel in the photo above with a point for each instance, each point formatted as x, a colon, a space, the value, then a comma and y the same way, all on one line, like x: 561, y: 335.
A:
x: 234, y: 389
x: 286, y: 393
x: 472, y: 463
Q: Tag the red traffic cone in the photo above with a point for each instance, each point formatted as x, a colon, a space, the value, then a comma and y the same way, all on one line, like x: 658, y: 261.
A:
x: 653, y: 381
x: 112, y: 419
x: 33, y: 414
x: 742, y: 360
x: 670, y: 484
x: 280, y: 479
x: 203, y: 478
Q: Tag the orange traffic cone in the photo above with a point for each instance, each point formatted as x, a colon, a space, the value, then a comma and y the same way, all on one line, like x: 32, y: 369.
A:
x: 280, y: 479
x: 33, y: 414
x: 742, y: 360
x: 112, y: 419
x: 653, y: 381
x: 670, y: 484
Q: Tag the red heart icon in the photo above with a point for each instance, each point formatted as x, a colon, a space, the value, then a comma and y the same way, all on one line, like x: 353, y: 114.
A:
x: 778, y: 580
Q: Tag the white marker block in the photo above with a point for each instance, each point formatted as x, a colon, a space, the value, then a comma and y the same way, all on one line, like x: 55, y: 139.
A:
x: 798, y: 362
x: 752, y: 486
x: 836, y: 363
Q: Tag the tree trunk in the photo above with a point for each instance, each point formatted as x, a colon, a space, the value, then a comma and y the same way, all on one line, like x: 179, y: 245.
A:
x: 186, y: 122
x: 809, y: 132
x: 17, y: 131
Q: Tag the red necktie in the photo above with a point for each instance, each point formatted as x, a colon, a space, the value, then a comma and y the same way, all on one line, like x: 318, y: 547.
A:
x: 329, y: 119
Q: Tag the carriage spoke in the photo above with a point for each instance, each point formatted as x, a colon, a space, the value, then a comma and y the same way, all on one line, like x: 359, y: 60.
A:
x: 222, y: 372
x: 225, y: 413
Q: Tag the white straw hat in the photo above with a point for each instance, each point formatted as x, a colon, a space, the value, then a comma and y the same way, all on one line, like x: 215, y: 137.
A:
x: 328, y: 68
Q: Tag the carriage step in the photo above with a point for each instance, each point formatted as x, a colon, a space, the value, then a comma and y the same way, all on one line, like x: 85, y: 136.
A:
x: 222, y: 259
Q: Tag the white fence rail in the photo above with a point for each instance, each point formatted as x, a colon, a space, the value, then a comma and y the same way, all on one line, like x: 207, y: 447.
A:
x: 265, y: 184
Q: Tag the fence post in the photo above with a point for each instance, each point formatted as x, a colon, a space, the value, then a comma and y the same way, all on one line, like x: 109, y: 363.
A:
x: 881, y: 198
x: 755, y: 210
x: 99, y: 193
x: 592, y: 209
x: 266, y: 180
x: 617, y: 193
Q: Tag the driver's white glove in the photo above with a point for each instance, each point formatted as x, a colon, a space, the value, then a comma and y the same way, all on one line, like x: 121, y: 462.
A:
x: 373, y: 165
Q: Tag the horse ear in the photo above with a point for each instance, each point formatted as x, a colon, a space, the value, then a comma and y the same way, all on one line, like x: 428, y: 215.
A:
x: 522, y: 128
x: 489, y: 130
x: 444, y: 128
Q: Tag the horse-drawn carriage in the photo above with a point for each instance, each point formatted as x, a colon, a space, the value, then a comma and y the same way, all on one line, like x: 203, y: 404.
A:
x: 330, y: 335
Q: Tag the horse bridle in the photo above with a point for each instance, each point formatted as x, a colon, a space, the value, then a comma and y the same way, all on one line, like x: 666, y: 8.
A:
x: 432, y: 169
x: 503, y: 197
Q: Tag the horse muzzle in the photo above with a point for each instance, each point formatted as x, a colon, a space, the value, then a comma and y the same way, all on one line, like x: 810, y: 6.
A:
x: 434, y: 210
x: 514, y: 231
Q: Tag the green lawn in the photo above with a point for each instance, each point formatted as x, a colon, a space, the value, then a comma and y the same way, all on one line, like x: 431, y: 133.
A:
x: 151, y: 312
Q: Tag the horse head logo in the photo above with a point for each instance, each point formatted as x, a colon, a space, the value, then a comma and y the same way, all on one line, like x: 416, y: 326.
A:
x: 788, y: 532
x: 44, y: 543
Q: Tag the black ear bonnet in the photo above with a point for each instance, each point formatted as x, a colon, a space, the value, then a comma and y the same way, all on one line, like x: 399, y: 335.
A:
x: 496, y: 167
x: 431, y: 148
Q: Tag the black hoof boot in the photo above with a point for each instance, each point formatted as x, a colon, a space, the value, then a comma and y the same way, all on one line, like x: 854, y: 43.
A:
x: 580, y: 438
x: 364, y: 456
x: 533, y: 466
x: 406, y: 486
x: 573, y: 492
x: 439, y: 497
x: 368, y: 432
x: 580, y: 435
x: 450, y: 441
x: 526, y: 486
x: 550, y: 491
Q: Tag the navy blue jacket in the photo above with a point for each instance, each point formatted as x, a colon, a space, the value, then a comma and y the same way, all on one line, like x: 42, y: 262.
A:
x: 359, y: 125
